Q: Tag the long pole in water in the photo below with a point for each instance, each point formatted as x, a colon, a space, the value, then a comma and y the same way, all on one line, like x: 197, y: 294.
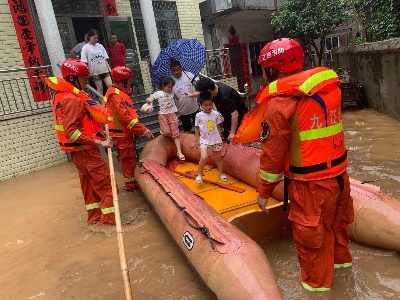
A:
x: 121, y: 247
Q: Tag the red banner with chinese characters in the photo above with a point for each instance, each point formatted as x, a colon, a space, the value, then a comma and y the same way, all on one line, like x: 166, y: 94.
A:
x: 109, y: 8
x: 29, y: 47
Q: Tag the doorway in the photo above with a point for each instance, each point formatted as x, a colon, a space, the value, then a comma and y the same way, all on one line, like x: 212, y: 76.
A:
x: 82, y: 26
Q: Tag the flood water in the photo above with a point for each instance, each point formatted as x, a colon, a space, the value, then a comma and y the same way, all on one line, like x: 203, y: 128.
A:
x: 373, y: 141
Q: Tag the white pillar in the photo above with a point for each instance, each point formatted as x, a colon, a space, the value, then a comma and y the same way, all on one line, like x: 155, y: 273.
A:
x: 150, y: 28
x: 51, y: 35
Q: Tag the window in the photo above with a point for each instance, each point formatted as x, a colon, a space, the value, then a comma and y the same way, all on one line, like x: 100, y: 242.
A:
x: 139, y: 28
x: 167, y: 22
x: 331, y: 42
x: 254, y: 52
x: 222, y: 4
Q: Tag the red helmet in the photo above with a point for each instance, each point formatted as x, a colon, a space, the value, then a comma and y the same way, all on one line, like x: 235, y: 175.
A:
x: 74, y: 67
x: 284, y: 55
x: 121, y: 73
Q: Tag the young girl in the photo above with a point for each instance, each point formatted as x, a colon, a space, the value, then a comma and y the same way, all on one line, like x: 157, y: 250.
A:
x: 167, y: 117
x: 207, y: 132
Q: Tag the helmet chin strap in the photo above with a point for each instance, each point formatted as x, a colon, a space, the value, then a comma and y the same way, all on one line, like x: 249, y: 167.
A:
x: 272, y: 74
x: 75, y: 81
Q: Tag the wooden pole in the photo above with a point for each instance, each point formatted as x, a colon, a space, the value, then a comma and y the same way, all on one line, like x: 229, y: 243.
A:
x: 121, y: 247
x: 120, y: 237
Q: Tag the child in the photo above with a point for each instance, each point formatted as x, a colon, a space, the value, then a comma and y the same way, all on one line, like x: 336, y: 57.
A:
x: 207, y: 132
x: 167, y: 117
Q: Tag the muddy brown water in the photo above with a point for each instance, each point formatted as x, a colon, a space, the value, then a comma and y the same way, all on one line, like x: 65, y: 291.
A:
x: 48, y: 252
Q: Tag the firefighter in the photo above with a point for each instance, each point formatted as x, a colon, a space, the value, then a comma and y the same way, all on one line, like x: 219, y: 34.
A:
x: 124, y: 122
x: 79, y: 132
x: 303, y: 140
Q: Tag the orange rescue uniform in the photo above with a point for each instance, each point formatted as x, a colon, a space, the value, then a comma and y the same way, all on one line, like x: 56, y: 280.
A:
x: 304, y: 141
x: 76, y: 131
x: 124, y: 125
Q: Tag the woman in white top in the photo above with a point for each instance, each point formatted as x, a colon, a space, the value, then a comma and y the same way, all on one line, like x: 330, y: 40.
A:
x: 95, y: 56
x: 208, y: 134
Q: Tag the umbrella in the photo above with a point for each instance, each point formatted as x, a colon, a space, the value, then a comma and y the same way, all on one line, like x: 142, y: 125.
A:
x: 189, y: 52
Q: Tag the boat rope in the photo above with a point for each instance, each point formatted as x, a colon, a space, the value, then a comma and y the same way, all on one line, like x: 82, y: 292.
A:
x: 202, y: 228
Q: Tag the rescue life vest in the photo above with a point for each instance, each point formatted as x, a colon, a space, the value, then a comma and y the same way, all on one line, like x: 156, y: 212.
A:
x: 305, y: 83
x: 316, y: 149
x: 88, y: 126
x: 115, y: 127
x: 96, y: 110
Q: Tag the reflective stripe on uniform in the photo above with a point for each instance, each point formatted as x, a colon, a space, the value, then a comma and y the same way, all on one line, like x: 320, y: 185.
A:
x: 75, y: 90
x: 93, y: 205
x: 315, y: 79
x: 108, y: 210
x: 59, y: 127
x: 273, y: 87
x: 77, y: 133
x: 132, y: 123
x: 345, y: 265
x: 321, y: 132
x: 311, y: 289
x: 270, y: 177
x: 132, y: 179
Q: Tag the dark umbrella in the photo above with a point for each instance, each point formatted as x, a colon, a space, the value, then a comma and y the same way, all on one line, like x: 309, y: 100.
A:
x: 189, y: 52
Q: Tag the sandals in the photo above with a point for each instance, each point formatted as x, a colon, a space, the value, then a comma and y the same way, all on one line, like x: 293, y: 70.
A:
x: 223, y: 177
x: 181, y: 157
x: 199, y: 179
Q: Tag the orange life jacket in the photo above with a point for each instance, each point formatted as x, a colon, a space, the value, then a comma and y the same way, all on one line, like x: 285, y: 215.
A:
x: 88, y: 126
x: 115, y: 127
x: 98, y: 112
x: 303, y: 83
x: 316, y: 149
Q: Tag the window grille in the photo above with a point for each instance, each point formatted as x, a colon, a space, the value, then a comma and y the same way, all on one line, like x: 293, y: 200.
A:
x: 139, y: 29
x: 254, y: 52
x: 167, y: 23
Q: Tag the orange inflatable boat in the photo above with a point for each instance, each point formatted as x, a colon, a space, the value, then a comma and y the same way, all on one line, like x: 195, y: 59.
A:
x: 217, y: 225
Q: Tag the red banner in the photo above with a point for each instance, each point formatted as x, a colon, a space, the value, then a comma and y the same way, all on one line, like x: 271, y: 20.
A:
x: 29, y: 47
x: 109, y: 8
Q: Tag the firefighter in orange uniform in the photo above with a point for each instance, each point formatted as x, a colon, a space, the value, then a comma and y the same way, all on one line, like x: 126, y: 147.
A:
x: 124, y: 122
x: 302, y: 138
x: 80, y: 134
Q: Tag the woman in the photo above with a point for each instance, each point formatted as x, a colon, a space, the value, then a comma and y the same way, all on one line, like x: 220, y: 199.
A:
x: 95, y: 56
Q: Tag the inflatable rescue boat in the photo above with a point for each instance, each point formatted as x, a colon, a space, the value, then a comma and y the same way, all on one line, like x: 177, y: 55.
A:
x: 217, y: 224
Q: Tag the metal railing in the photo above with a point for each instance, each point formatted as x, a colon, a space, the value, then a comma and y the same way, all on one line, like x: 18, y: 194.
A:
x: 17, y: 95
x: 218, y: 65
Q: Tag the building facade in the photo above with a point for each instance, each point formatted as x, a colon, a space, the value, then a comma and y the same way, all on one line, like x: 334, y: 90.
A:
x: 33, y: 30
